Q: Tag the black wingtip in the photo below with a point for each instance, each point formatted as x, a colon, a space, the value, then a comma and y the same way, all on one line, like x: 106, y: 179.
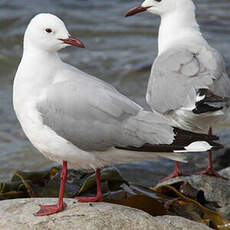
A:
x: 217, y: 147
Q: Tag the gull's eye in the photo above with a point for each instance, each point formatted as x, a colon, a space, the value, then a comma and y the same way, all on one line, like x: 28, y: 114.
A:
x: 158, y: 0
x: 48, y: 30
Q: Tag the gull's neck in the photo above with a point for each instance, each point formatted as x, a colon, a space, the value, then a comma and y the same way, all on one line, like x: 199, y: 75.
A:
x: 36, y: 71
x: 176, y: 27
x: 38, y: 65
x: 36, y: 55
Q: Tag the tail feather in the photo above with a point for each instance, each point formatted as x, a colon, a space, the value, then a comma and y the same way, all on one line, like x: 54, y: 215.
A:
x: 184, y: 141
x: 198, y: 146
x: 210, y: 102
x: 153, y: 134
x: 185, y: 138
x: 195, y: 142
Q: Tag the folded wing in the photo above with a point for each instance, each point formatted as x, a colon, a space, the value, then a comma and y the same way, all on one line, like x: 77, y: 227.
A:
x: 95, y: 118
x: 178, y: 75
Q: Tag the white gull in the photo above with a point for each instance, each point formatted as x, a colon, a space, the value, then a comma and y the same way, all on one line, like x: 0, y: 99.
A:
x: 75, y: 118
x: 188, y: 82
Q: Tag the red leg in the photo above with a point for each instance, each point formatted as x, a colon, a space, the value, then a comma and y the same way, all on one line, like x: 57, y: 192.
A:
x: 98, y: 197
x: 176, y: 173
x: 51, y: 209
x: 210, y: 171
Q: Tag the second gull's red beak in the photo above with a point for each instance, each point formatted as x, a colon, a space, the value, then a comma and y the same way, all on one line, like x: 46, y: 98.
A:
x: 136, y: 10
x: 73, y: 42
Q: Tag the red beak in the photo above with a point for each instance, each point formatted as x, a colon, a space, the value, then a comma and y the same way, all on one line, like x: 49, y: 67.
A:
x: 136, y: 10
x: 73, y: 42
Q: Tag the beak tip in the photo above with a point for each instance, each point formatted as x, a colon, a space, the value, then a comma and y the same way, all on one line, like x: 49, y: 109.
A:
x: 73, y: 42
x: 136, y: 10
x: 81, y: 45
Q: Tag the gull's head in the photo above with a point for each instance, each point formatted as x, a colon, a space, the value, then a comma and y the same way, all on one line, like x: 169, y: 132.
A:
x: 162, y: 7
x: 48, y: 32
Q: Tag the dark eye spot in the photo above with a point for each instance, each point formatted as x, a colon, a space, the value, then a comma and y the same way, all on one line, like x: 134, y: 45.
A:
x: 48, y: 30
x: 158, y: 0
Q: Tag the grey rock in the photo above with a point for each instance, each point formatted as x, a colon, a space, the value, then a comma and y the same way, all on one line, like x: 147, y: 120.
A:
x: 225, y: 172
x: 179, y: 223
x: 18, y: 214
x: 215, y: 189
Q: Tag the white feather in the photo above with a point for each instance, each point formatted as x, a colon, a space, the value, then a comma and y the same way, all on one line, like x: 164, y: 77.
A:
x: 197, y: 146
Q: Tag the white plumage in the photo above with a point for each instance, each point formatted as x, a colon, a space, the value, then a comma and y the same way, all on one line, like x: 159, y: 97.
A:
x: 71, y: 116
x: 188, y: 82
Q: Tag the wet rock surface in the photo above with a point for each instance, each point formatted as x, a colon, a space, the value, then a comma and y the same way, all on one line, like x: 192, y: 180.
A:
x: 215, y: 189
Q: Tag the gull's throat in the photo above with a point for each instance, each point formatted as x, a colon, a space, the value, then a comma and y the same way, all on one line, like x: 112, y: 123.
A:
x: 176, y: 28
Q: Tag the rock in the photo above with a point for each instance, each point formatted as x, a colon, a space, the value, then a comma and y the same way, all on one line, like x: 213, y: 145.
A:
x: 18, y: 214
x: 215, y: 189
x: 179, y: 223
x: 225, y: 172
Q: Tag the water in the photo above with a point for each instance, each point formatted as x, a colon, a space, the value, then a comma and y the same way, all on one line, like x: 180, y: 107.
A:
x: 118, y: 50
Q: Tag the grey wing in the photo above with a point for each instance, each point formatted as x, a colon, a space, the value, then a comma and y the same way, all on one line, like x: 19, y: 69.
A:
x: 178, y: 74
x: 96, y: 118
x: 215, y: 62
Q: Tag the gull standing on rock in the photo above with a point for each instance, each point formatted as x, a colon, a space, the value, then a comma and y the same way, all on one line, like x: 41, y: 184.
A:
x: 188, y: 82
x: 73, y: 117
